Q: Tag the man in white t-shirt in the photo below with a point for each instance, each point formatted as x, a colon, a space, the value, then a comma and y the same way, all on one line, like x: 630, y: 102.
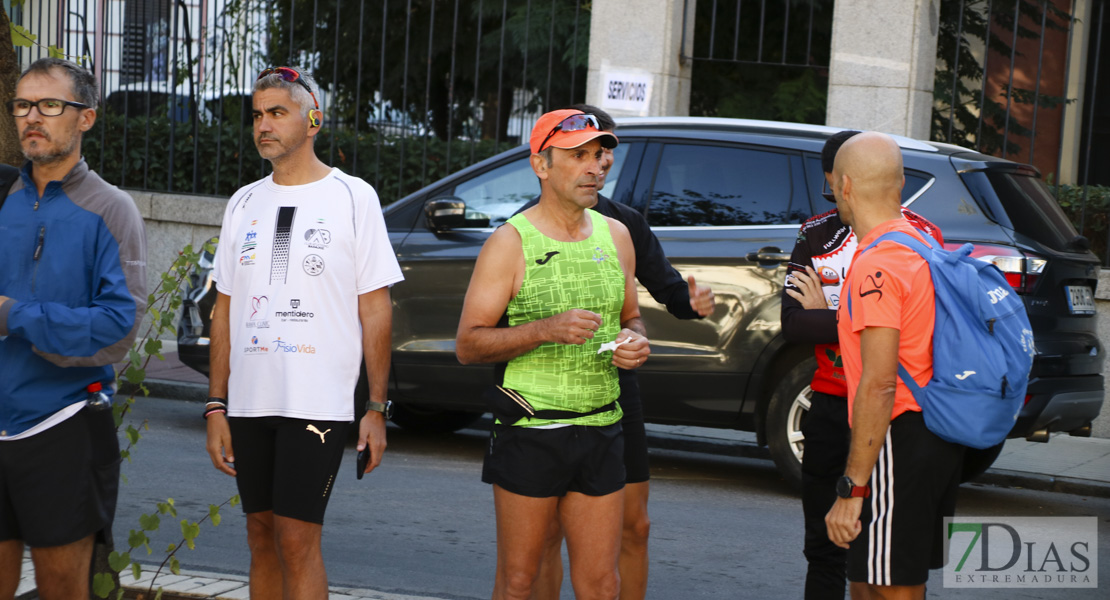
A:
x: 303, y: 273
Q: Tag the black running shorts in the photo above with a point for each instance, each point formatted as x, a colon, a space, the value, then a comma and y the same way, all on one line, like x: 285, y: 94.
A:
x: 60, y: 485
x: 913, y: 487
x: 545, y: 463
x: 287, y: 465
x: 636, y: 463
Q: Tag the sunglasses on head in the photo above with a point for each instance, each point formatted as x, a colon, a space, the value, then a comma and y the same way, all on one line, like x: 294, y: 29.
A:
x: 572, y: 123
x: 290, y: 75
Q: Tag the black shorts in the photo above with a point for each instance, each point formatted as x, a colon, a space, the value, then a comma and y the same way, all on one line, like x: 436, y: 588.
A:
x: 60, y: 485
x: 545, y: 463
x: 287, y: 465
x: 636, y: 465
x: 913, y: 487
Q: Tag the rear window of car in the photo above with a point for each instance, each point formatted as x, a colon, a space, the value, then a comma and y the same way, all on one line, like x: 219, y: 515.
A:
x: 1032, y: 209
x: 703, y: 185
x: 915, y: 181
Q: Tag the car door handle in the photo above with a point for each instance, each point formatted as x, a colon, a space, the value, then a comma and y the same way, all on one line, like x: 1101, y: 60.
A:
x: 770, y: 256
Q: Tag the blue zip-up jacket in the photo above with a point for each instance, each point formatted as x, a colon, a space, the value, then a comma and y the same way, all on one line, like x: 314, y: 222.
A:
x: 73, y: 266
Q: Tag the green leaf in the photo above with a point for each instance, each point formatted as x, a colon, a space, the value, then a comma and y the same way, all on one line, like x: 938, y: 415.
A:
x: 234, y: 501
x: 119, y: 594
x: 137, y: 538
x: 136, y: 570
x: 55, y: 52
x: 153, y: 347
x: 149, y: 523
x: 134, y: 358
x: 118, y: 561
x: 175, y: 567
x: 22, y: 37
x: 133, y: 435
x: 134, y: 375
x: 190, y: 531
x: 171, y: 548
x: 103, y: 584
x: 158, y: 594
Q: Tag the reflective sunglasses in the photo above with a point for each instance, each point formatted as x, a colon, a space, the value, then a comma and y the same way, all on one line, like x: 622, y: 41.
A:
x: 290, y: 75
x: 572, y: 123
x: 48, y: 107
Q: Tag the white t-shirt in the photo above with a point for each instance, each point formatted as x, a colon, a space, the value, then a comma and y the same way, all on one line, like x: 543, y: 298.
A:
x: 294, y: 260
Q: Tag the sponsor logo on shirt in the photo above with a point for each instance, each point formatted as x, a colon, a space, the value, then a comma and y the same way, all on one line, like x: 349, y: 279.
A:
x: 259, y: 312
x: 281, y: 345
x: 828, y: 275
x: 313, y: 264
x: 247, y: 252
x: 599, y: 254
x: 250, y: 242
x: 294, y: 315
x: 546, y: 257
x: 255, y: 348
x: 317, y: 238
x: 875, y: 287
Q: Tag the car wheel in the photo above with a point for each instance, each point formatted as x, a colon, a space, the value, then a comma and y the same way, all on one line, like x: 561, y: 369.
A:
x: 976, y: 461
x: 789, y: 403
x: 432, y: 420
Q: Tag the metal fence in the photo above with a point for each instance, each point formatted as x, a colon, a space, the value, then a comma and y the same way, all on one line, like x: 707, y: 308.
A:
x: 1004, y: 87
x: 411, y: 89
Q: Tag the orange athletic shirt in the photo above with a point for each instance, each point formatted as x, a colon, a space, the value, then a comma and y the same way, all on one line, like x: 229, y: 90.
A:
x: 889, y: 286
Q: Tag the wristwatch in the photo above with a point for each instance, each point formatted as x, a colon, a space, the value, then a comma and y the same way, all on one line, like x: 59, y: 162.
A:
x: 846, y: 488
x: 386, y: 409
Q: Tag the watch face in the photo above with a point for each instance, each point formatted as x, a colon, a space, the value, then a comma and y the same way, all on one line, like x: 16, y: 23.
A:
x: 844, y: 487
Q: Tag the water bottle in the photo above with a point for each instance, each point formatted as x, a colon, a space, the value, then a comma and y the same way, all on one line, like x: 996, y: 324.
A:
x: 97, y: 399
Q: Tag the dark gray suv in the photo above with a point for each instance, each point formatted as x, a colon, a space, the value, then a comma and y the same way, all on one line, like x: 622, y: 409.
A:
x: 726, y: 198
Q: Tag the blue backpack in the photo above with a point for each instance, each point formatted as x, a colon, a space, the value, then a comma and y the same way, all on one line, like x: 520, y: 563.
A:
x: 982, y: 347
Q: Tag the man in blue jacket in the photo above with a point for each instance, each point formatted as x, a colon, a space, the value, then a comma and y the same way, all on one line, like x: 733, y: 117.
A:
x: 72, y: 296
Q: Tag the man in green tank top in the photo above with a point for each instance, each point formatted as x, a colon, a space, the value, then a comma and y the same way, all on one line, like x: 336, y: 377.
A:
x: 564, y: 276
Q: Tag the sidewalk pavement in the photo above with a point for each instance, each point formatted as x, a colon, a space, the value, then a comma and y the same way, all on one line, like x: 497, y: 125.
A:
x: 1066, y: 464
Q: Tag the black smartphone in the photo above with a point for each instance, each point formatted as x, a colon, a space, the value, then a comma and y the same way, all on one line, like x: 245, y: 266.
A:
x: 363, y: 460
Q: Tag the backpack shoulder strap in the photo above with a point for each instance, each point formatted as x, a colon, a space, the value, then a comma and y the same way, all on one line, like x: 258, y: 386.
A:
x: 907, y: 240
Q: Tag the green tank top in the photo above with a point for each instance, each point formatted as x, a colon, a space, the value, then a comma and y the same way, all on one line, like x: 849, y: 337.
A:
x: 560, y: 276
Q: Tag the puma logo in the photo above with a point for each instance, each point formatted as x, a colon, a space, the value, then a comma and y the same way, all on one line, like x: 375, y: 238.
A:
x: 965, y: 375
x: 547, y: 257
x: 313, y: 429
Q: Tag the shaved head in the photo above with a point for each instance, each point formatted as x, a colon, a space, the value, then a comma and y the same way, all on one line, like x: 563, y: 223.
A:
x: 868, y: 169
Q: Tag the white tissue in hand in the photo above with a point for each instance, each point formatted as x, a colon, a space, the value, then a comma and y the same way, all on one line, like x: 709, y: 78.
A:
x: 610, y: 346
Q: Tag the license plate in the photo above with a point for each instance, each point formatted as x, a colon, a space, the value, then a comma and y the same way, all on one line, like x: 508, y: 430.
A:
x: 1081, y: 300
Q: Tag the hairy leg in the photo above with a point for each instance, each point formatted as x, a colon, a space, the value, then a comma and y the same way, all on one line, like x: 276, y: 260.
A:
x: 265, y: 570
x: 549, y: 583
x: 523, y: 524
x: 634, y: 542
x: 593, y: 529
x: 302, y: 563
x: 11, y: 564
x: 62, y: 572
x: 866, y: 591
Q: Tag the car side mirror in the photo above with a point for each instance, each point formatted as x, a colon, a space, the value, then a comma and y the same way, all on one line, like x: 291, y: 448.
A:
x: 443, y: 214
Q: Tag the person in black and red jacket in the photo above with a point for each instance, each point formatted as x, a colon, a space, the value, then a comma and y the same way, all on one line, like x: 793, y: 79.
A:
x: 811, y: 295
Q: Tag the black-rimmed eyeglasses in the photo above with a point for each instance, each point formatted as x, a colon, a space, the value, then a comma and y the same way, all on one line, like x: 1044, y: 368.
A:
x: 48, y: 107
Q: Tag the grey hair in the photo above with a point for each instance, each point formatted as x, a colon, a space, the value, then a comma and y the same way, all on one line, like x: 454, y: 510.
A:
x: 81, y: 80
x: 547, y: 154
x: 296, y: 90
